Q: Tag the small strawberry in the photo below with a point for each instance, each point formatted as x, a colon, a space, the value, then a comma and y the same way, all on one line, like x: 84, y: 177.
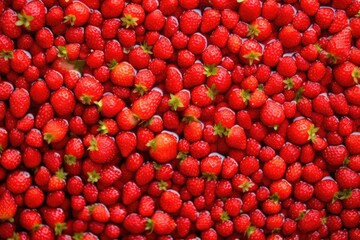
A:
x: 133, y: 15
x: 250, y: 51
x: 326, y: 190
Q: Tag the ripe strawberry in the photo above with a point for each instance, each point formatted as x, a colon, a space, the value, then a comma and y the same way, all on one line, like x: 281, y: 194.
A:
x: 250, y: 51
x: 347, y: 74
x: 272, y: 114
x: 88, y: 90
x: 32, y: 16
x: 301, y: 131
x: 77, y: 14
x: 55, y: 130
x: 146, y: 106
x: 112, y: 9
x: 338, y: 47
x: 347, y: 178
x: 133, y: 15
x: 236, y: 137
x: 249, y: 10
x: 7, y: 205
x: 326, y: 189
x: 161, y: 223
x: 163, y: 148
x: 63, y: 101
x: 170, y: 201
x: 335, y: 155
x: 123, y: 74
x: 309, y: 221
x: 275, y: 168
x: 210, y: 20
x: 10, y: 29
x: 42, y: 232
x: 102, y: 148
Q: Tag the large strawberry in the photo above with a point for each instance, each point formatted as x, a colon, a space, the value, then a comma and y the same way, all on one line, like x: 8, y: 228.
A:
x: 102, y: 148
x: 301, y: 131
x: 32, y: 16
x: 163, y: 148
x: 161, y: 223
x: 145, y: 107
x: 338, y: 47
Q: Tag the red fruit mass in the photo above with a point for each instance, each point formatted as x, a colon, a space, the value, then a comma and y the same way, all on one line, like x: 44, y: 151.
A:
x: 179, y: 119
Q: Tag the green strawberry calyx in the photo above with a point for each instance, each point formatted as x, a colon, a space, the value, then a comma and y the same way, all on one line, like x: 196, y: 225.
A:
x: 102, y: 129
x: 212, y: 92
x: 6, y: 55
x: 162, y: 185
x: 220, y: 130
x: 149, y: 225
x: 140, y: 89
x: 129, y: 21
x: 86, y: 99
x: 93, y: 176
x: 61, y: 174
x: 59, y: 228
x: 48, y: 137
x: 175, y: 102
x: 210, y: 70
x: 70, y: 19
x: 312, y: 133
x: 146, y: 48
x: 252, y: 56
x: 151, y: 143
x: 245, y: 186
x: 253, y: 31
x: 93, y: 145
x: 250, y: 230
x: 356, y: 75
x: 24, y: 20
x: 78, y: 236
x: 224, y: 216
x: 181, y: 156
x: 70, y: 159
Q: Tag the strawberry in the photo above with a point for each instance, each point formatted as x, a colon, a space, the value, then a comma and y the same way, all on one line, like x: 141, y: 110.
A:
x: 335, y: 155
x: 123, y: 74
x: 163, y: 148
x: 347, y: 178
x: 19, y: 102
x: 250, y: 51
x: 170, y: 201
x: 309, y: 221
x: 63, y: 101
x: 347, y: 74
x: 272, y: 114
x: 32, y: 16
x: 133, y: 15
x: 112, y: 9
x: 145, y: 107
x: 249, y: 10
x: 102, y: 148
x: 88, y: 90
x: 338, y: 47
x: 236, y: 137
x: 41, y: 232
x: 210, y: 20
x: 275, y: 168
x: 326, y: 190
x: 161, y: 223
x: 301, y: 131
x: 180, y: 100
x: 55, y: 130
x: 77, y: 14
x: 7, y: 205
x: 10, y: 29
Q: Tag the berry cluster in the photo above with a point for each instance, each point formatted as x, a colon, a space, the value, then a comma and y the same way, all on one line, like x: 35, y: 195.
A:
x: 179, y: 119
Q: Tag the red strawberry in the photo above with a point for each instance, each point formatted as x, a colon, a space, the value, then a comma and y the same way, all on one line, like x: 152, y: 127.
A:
x: 77, y: 14
x: 249, y: 10
x: 123, y: 74
x: 338, y: 47
x: 161, y: 223
x: 32, y: 16
x: 146, y: 106
x: 88, y: 90
x: 102, y: 148
x: 236, y: 137
x: 55, y: 130
x: 19, y: 102
x: 309, y: 221
x: 301, y: 131
x: 347, y: 74
x: 7, y: 205
x: 163, y: 148
x: 272, y: 114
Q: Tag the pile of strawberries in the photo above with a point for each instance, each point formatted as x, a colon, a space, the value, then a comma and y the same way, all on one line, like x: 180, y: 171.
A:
x: 179, y: 119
